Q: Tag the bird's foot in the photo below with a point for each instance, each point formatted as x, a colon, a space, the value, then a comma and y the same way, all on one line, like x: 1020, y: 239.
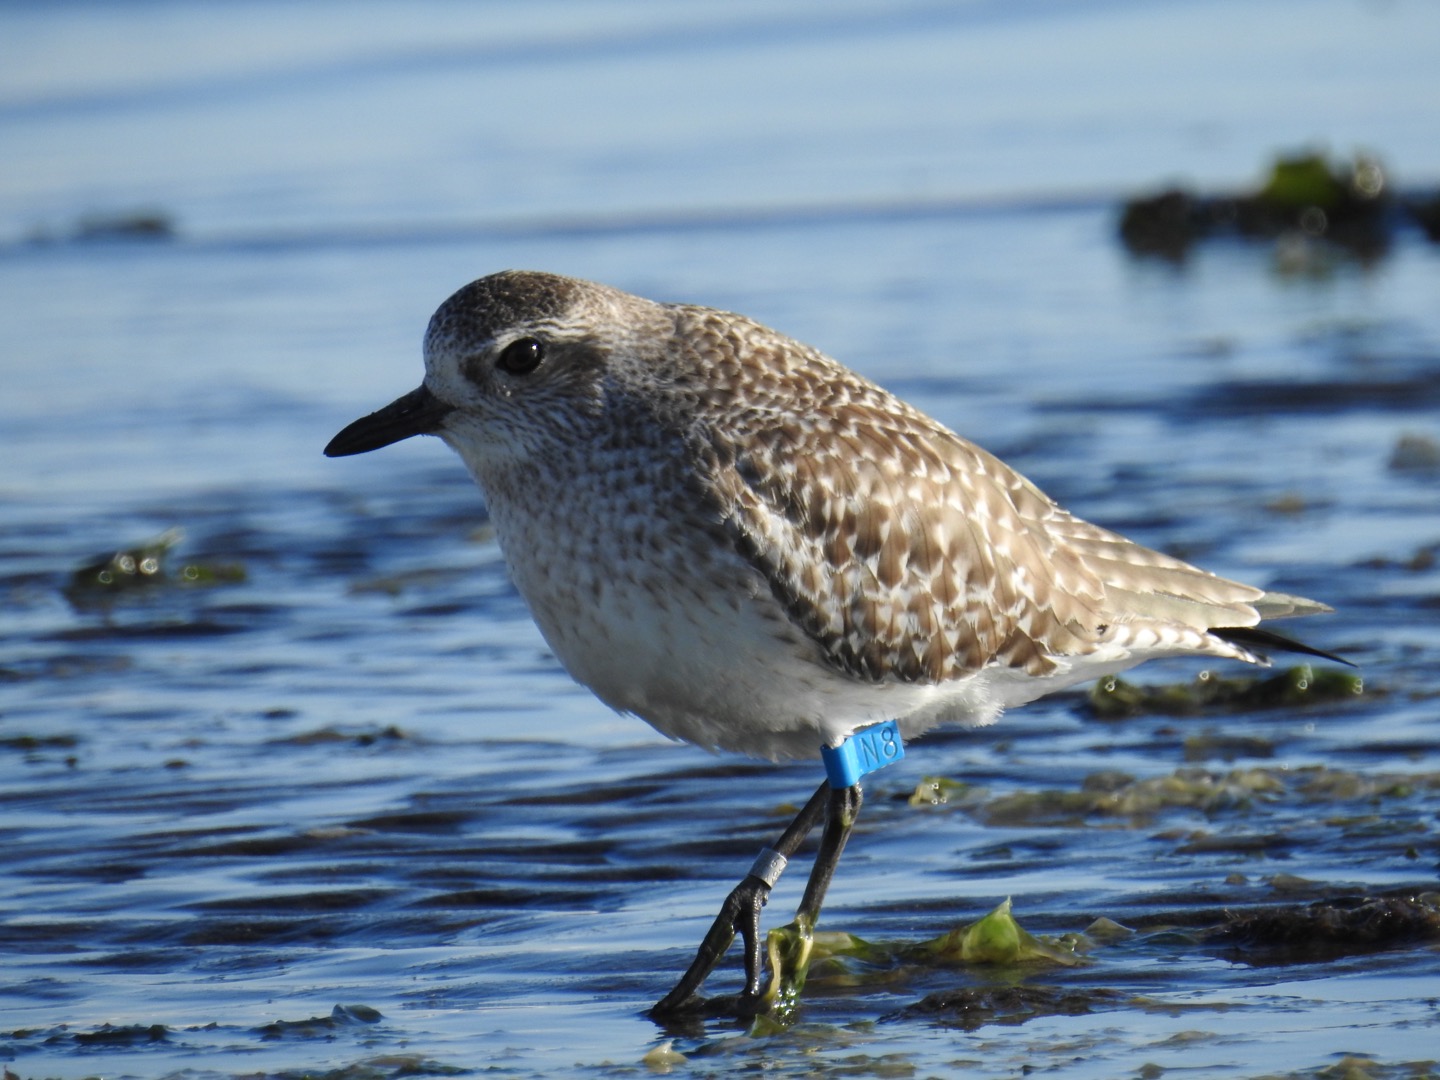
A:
x: 739, y: 914
x: 788, y: 949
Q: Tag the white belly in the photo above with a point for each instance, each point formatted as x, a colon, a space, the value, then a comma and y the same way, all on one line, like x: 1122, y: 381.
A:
x: 661, y: 617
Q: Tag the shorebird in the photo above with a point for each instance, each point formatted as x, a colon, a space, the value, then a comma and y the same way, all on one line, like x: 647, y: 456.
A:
x: 732, y: 536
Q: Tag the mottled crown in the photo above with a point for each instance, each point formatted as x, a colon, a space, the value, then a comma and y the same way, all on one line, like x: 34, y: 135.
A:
x: 489, y: 306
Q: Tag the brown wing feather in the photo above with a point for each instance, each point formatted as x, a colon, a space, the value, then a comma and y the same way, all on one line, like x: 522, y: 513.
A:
x: 908, y: 553
x: 910, y: 560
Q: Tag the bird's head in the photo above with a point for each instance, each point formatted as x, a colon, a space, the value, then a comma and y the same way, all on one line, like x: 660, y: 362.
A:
x: 514, y: 364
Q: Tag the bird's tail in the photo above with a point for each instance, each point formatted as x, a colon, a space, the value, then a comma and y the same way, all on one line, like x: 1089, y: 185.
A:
x: 1252, y: 637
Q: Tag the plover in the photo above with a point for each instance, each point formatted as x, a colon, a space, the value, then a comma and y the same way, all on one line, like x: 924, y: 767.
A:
x: 753, y: 548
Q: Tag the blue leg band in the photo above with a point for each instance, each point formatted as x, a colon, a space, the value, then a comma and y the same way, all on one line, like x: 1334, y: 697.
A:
x: 868, y: 749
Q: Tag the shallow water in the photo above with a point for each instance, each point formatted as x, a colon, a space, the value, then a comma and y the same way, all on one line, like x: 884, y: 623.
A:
x: 346, y: 815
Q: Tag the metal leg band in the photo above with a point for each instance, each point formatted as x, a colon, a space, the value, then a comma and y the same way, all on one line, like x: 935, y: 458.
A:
x: 769, y: 865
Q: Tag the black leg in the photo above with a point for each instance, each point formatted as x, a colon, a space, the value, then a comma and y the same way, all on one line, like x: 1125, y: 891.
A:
x: 790, y: 945
x: 844, y: 808
x: 741, y: 909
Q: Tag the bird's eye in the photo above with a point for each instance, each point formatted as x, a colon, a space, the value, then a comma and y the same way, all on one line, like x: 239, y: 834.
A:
x: 521, y: 356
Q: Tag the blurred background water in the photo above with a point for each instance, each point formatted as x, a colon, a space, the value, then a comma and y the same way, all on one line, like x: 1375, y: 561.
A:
x: 338, y: 812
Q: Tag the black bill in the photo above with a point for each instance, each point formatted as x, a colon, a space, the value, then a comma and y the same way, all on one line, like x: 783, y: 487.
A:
x: 417, y: 413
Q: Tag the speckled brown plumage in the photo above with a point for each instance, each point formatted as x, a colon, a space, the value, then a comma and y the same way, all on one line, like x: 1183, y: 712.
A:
x: 752, y: 547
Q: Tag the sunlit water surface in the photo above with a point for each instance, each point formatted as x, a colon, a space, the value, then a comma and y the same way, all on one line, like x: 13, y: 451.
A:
x: 345, y: 815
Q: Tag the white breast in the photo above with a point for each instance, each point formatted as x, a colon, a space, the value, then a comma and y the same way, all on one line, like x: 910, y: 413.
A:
x: 660, y: 616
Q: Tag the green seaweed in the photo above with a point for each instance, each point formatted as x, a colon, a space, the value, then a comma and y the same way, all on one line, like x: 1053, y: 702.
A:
x: 1306, y: 180
x: 795, y: 949
x: 1304, y: 197
x: 943, y: 791
x: 1112, y: 698
x: 789, y: 949
x: 321, y: 1027
x: 1327, y: 929
x: 997, y: 939
x: 973, y: 1007
x: 143, y: 568
x: 1116, y: 796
